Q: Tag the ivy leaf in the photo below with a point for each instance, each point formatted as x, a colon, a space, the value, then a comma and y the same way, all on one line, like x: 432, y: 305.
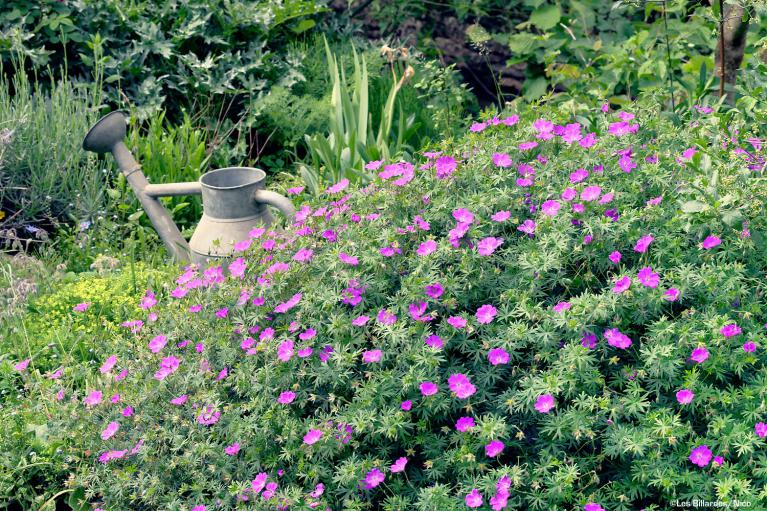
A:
x: 546, y: 17
x: 694, y: 206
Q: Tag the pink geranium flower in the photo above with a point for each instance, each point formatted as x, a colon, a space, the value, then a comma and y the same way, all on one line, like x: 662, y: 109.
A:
x: 501, y: 216
x: 157, y: 343
x: 749, y: 347
x: 561, y: 307
x: 81, y: 307
x: 699, y: 354
x: 110, y: 430
x: 498, y: 356
x: 730, y: 330
x: 372, y: 356
x: 473, y: 499
x: 622, y: 285
x: 461, y: 385
x: 434, y: 290
x: 485, y: 314
x: 544, y: 403
x: 672, y: 294
x: 312, y: 436
x: 643, y: 243
x: 286, y: 397
x: 465, y: 424
x: 93, y: 398
x: 617, y: 338
x: 22, y: 366
x: 711, y: 242
x: 494, y: 448
x: 685, y: 396
x: 456, y: 322
x: 428, y: 388
x: 232, y: 450
x: 550, y: 208
x: 591, y: 506
x: 426, y: 248
x: 590, y: 193
x: 374, y: 478
x: 501, y: 160
x: 701, y: 456
x: 398, y: 466
x: 615, y: 257
x: 760, y: 429
x: 648, y: 278
x: 487, y: 246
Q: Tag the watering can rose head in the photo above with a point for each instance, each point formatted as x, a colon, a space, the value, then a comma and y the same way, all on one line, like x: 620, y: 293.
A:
x: 233, y: 199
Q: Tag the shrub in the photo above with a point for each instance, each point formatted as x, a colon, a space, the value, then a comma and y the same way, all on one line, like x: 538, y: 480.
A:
x: 44, y: 174
x: 562, y: 309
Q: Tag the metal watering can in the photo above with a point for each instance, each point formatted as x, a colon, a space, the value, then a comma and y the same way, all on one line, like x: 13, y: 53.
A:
x: 233, y: 199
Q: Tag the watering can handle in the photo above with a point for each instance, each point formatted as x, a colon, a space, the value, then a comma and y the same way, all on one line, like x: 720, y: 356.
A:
x: 278, y: 201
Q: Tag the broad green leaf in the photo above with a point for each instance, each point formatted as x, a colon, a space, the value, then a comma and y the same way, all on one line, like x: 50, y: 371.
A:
x: 546, y: 16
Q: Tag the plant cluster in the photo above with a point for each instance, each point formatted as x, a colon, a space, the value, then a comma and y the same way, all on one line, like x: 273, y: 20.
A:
x: 563, y: 309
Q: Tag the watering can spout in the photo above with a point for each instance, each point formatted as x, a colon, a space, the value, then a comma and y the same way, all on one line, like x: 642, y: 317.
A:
x: 107, y: 136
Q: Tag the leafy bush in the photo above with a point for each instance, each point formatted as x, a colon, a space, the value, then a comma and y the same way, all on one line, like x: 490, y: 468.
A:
x: 164, y: 53
x: 562, y: 310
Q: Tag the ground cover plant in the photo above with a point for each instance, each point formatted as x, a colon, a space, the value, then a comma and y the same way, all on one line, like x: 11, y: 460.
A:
x: 562, y: 310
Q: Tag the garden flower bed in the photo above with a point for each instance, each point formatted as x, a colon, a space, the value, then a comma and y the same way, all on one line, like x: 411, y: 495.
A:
x: 563, y: 310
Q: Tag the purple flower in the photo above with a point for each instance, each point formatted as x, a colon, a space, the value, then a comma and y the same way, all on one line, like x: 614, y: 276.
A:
x: 730, y: 330
x: 685, y: 396
x: 465, y: 424
x: 562, y: 307
x: 617, y: 339
x: 434, y: 341
x: 286, y: 397
x: 426, y: 248
x: 285, y: 350
x: 110, y: 430
x: 487, y: 246
x: 501, y: 216
x: 550, y: 208
x: 711, y: 242
x: 208, y: 416
x: 569, y: 194
x: 699, y: 354
x: 461, y: 385
x: 434, y: 290
x: 622, y: 285
x: 374, y: 478
x: 672, y: 294
x: 338, y: 187
x: 108, y: 364
x: 360, y: 320
x: 578, y: 176
x: 312, y: 436
x: 591, y: 506
x: 643, y: 243
x: 494, y: 448
x: 498, y: 356
x: 701, y: 456
x: 348, y: 259
x: 485, y: 314
x: 93, y: 398
x: 501, y: 160
x: 22, y: 366
x: 456, y: 322
x: 372, y: 356
x: 445, y: 166
x: 473, y: 498
x: 399, y: 465
x: 749, y: 347
x: 590, y: 193
x: 406, y: 405
x: 760, y: 429
x: 528, y: 227
x: 615, y: 257
x: 157, y: 343
x: 428, y: 388
x: 648, y: 278
x: 589, y: 340
x: 385, y: 317
x: 544, y: 403
x: 232, y: 450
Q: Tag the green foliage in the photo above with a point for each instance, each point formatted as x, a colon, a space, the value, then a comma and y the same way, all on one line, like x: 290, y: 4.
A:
x: 44, y: 173
x: 163, y: 53
x: 172, y: 154
x: 617, y: 434
x: 354, y: 139
x: 35, y: 463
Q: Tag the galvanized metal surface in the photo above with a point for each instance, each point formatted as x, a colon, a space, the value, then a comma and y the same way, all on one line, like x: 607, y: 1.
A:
x: 233, y: 199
